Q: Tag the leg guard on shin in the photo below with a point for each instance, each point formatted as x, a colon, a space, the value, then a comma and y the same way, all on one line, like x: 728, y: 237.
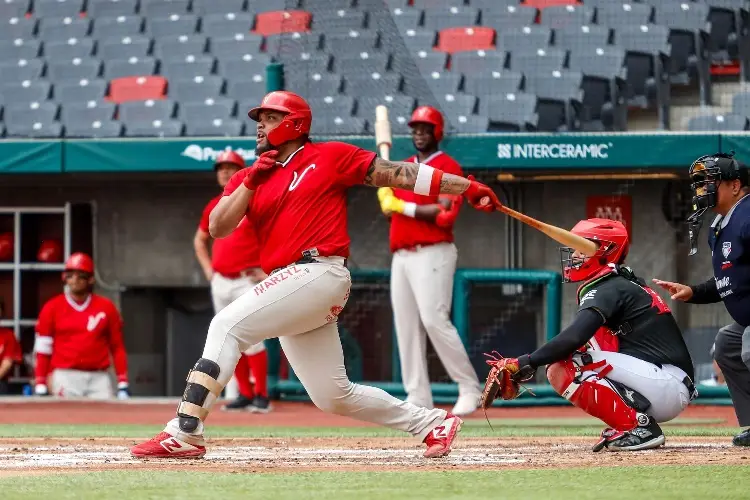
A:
x: 201, y: 381
x: 617, y: 406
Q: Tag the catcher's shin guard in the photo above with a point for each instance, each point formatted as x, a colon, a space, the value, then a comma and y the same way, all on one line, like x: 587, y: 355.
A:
x: 200, y: 382
x: 619, y: 407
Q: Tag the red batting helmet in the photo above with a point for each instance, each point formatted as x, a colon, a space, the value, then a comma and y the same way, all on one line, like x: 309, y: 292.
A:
x: 50, y: 251
x: 230, y: 157
x: 613, y: 241
x: 80, y: 261
x: 428, y: 114
x: 295, y: 124
x: 6, y: 247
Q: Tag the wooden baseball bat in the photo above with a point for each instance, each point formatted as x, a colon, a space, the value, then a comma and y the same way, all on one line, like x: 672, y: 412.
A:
x: 383, y: 138
x: 562, y: 236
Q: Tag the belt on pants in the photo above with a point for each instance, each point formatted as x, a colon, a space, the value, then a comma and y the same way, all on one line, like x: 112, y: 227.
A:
x: 240, y: 274
x: 690, y: 387
x: 304, y: 260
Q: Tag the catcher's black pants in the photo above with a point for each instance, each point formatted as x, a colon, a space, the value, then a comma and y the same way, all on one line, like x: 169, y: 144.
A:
x: 732, y: 354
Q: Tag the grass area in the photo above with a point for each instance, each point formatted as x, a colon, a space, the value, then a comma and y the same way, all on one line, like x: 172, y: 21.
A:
x: 656, y: 482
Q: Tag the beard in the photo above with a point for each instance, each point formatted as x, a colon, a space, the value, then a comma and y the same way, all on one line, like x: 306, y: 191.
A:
x: 259, y: 150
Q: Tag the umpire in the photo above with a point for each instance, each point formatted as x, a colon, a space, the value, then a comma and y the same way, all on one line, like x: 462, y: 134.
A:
x: 720, y: 183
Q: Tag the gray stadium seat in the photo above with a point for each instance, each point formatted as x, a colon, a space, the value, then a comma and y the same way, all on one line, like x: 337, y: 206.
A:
x: 499, y: 81
x: 246, y: 64
x: 306, y: 64
x: 227, y: 24
x: 80, y: 91
x: 57, y: 8
x: 36, y: 130
x: 352, y: 42
x: 604, y: 86
x: 20, y: 70
x: 172, y: 25
x: 716, y: 123
x: 133, y: 66
x: 399, y: 107
x: 69, y: 49
x: 96, y: 130
x: 454, y: 105
x: 30, y: 112
x: 373, y: 84
x: 429, y: 61
x: 19, y: 49
x: 332, y: 106
x: 646, y: 53
x: 407, y: 18
x: 52, y: 29
x: 317, y: 85
x: 26, y: 91
x: 472, y: 124
x: 559, y: 99
x: 435, y: 4
x: 17, y: 28
x: 741, y: 104
x: 217, y: 127
x: 118, y: 27
x: 247, y: 88
x: 417, y: 40
x: 339, y: 125
x: 236, y: 45
x: 450, y: 17
x: 525, y: 38
x: 195, y: 110
x: 291, y: 45
x: 581, y: 37
x: 157, y: 128
x: 272, y: 5
x: 87, y: 112
x: 443, y: 83
x: 508, y: 16
x: 514, y: 112
x: 149, y: 110
x: 728, y: 30
x: 111, y: 8
x: 74, y: 69
x: 197, y: 88
x: 567, y: 16
x: 14, y: 8
x: 615, y: 14
x: 180, y: 45
x: 123, y: 47
x: 155, y: 8
x: 540, y: 62
x: 478, y: 62
x: 338, y: 21
x: 203, y: 7
x: 187, y: 67
x: 317, y: 6
x: 363, y: 62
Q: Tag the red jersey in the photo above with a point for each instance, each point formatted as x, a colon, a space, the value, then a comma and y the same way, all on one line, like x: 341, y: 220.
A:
x: 302, y: 206
x: 79, y: 336
x: 238, y: 251
x: 9, y: 347
x: 408, y: 232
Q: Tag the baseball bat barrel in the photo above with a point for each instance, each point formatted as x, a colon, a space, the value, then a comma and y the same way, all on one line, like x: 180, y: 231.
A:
x: 383, y: 138
x: 562, y: 236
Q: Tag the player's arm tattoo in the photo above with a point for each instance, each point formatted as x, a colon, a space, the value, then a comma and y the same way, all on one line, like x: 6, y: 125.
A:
x: 402, y: 174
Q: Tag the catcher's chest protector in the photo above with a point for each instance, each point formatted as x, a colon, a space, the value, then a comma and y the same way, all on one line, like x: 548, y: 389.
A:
x: 603, y: 340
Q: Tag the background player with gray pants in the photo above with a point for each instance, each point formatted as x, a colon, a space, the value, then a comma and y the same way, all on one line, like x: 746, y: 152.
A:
x: 720, y: 183
x: 424, y: 262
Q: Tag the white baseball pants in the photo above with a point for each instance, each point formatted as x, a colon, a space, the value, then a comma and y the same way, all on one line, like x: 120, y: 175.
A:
x: 300, y: 304
x: 663, y: 386
x: 421, y: 295
x: 224, y: 291
x: 81, y: 384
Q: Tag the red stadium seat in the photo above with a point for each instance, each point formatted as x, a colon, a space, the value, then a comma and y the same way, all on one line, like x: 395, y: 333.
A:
x: 460, y: 39
x: 282, y: 21
x: 137, y: 88
x: 540, y: 4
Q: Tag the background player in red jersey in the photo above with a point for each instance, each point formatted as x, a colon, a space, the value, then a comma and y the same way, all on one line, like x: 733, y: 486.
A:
x: 424, y: 262
x: 10, y: 353
x: 295, y: 196
x: 232, y: 266
x: 75, y: 334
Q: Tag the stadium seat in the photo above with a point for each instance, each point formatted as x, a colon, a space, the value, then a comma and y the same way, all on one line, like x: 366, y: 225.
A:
x: 718, y: 123
x: 180, y: 46
x: 198, y: 88
x: 155, y: 8
x: 513, y: 112
x: 26, y: 91
x: 137, y: 88
x: 133, y: 66
x: 461, y: 39
x: 53, y: 29
x: 472, y: 124
x: 187, y: 67
x: 435, y: 4
x: 352, y: 42
x: 455, y: 104
x: 442, y: 18
x: 217, y: 127
x: 331, y: 106
x: 251, y: 88
x: 317, y: 85
x: 157, y: 128
x: 524, y: 39
x: 96, y: 130
x: 728, y: 20
x: 373, y: 84
x: 443, y: 83
x: 416, y: 40
x: 69, y: 49
x: 508, y: 16
x: 17, y: 28
x: 582, y: 37
x: 559, y: 100
x: 238, y: 44
x: 57, y: 8
x: 120, y: 26
x: 338, y: 21
x: 407, y: 18
x: 14, y: 8
x: 646, y: 53
x: 148, y: 110
x: 28, y: 113
x: 172, y: 25
x: 478, y: 62
x: 87, y: 112
x: 339, y: 125
x: 118, y: 47
x: 428, y: 62
x: 74, y: 69
x: 19, y: 49
x: 399, y: 107
x: 616, y: 14
x: 495, y: 82
x: 286, y: 21
x: 226, y: 24
x: 20, y: 70
x: 203, y: 7
x: 567, y: 16
x: 286, y: 45
x: 35, y: 130
x: 111, y: 8
x: 81, y: 91
x: 195, y: 110
x: 364, y: 62
x: 300, y: 65
x: 741, y: 104
x: 317, y: 6
x: 246, y: 64
x: 542, y: 61
x: 542, y: 4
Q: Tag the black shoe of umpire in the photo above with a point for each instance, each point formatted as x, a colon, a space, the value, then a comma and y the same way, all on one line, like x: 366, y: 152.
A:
x: 260, y: 404
x: 239, y: 404
x: 646, y: 436
x: 742, y: 439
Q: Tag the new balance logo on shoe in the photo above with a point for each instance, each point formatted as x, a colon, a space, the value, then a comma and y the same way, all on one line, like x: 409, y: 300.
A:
x: 171, y: 444
x: 440, y: 431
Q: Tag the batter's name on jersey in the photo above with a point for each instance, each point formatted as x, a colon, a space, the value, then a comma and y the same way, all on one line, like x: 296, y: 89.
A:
x: 275, y: 279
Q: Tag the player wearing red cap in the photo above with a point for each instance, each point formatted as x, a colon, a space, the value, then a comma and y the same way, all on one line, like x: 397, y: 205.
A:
x: 10, y: 352
x: 424, y: 262
x: 232, y: 266
x: 295, y: 197
x: 76, y: 333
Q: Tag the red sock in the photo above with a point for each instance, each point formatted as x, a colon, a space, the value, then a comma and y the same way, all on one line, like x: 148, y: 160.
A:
x: 259, y: 366
x: 242, y: 374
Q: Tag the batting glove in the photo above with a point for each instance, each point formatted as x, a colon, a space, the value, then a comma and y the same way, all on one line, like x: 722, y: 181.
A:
x: 261, y: 170
x: 41, y: 390
x: 123, y: 391
x: 481, y: 197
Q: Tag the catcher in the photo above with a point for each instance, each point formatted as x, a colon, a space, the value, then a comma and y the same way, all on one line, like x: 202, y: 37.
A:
x: 622, y: 359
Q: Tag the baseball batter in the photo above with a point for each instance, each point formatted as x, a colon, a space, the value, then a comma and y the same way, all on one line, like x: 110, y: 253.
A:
x: 232, y: 266
x: 295, y: 197
x: 422, y: 269
x: 76, y: 333
x: 635, y: 369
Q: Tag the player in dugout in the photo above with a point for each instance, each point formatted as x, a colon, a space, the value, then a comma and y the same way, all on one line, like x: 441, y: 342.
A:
x: 10, y: 353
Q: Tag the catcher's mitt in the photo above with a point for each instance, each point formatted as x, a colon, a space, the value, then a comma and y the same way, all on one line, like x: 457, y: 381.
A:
x: 500, y: 381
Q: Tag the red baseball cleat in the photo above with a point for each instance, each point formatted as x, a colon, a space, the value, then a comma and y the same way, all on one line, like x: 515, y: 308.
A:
x: 440, y: 439
x: 165, y: 445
